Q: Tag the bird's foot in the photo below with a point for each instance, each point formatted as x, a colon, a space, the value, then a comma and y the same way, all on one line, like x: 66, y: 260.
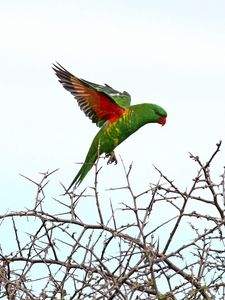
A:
x: 112, y: 158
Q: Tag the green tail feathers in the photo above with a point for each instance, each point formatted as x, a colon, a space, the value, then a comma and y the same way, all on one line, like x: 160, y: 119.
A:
x: 86, y: 167
x: 93, y: 153
x: 81, y: 174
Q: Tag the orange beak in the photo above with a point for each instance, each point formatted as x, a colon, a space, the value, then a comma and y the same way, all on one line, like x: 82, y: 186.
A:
x: 162, y: 121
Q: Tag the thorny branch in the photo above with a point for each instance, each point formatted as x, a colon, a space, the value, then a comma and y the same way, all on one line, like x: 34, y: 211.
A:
x: 164, y: 243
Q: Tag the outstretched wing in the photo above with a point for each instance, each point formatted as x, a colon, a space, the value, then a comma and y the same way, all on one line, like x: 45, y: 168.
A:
x: 122, y: 99
x: 99, y: 103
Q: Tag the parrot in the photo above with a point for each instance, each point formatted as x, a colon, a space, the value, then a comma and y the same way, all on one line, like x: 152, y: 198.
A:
x: 111, y: 111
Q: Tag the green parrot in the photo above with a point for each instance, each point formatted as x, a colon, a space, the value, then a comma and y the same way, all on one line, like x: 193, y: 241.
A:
x: 110, y: 110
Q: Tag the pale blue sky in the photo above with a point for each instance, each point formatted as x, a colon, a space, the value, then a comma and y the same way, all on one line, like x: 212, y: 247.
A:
x: 167, y: 52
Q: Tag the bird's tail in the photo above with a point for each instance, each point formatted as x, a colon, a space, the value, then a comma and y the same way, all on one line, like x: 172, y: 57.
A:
x: 86, y: 167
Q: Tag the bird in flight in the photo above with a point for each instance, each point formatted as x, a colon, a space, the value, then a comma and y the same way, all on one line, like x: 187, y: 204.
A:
x: 111, y: 111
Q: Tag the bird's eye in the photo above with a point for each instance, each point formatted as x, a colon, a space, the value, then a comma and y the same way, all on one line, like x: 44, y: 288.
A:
x: 158, y: 113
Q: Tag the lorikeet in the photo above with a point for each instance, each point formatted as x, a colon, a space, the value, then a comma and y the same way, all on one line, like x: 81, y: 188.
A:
x: 110, y: 110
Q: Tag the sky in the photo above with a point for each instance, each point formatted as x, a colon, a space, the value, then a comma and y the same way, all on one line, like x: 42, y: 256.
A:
x: 165, y: 52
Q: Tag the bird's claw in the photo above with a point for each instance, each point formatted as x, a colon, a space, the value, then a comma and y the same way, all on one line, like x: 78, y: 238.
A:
x: 112, y: 158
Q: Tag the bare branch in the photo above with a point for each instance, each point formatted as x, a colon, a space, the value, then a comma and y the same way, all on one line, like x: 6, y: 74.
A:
x: 164, y: 243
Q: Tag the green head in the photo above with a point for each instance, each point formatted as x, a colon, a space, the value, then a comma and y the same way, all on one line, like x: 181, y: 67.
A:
x: 152, y: 113
x: 159, y: 114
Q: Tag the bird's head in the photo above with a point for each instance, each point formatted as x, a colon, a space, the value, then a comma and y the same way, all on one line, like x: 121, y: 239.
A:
x: 159, y: 114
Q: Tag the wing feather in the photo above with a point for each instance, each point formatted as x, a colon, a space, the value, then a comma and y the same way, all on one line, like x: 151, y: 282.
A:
x: 92, y: 99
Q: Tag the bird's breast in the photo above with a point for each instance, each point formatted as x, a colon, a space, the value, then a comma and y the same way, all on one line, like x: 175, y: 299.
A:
x: 121, y: 128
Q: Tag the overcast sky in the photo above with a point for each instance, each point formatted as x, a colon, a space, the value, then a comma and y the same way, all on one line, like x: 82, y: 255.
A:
x: 167, y: 52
